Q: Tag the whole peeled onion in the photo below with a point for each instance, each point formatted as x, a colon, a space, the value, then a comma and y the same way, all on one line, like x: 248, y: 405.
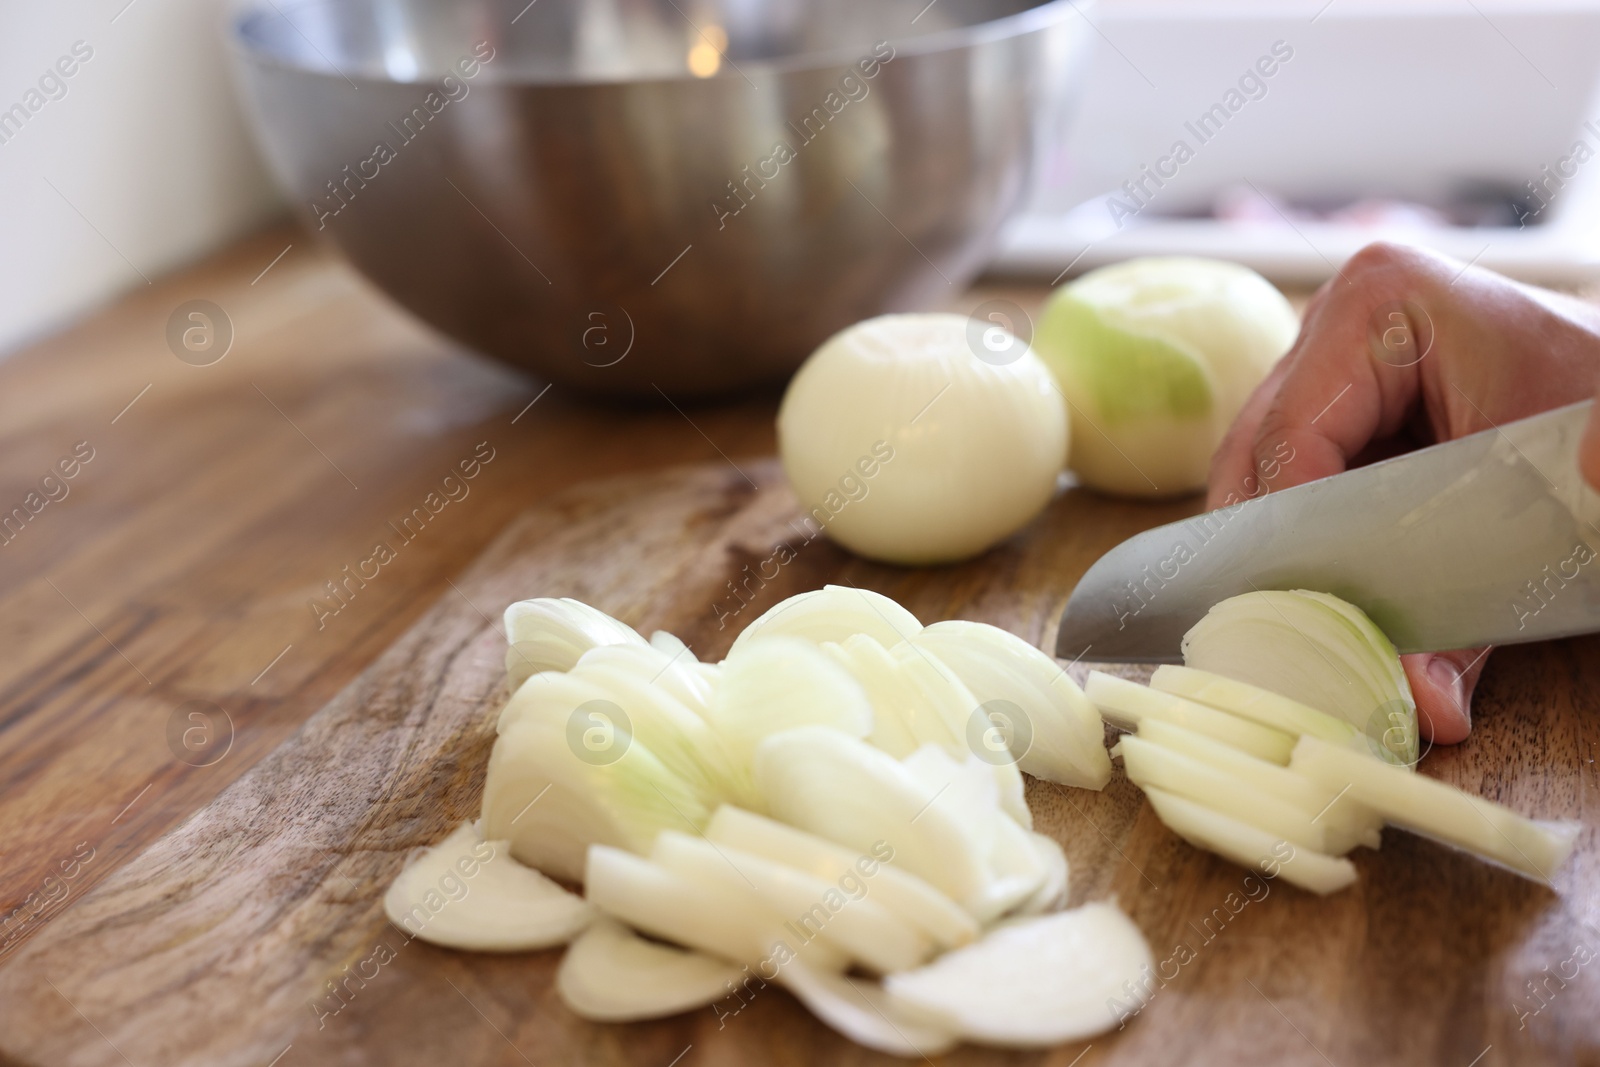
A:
x: 922, y: 439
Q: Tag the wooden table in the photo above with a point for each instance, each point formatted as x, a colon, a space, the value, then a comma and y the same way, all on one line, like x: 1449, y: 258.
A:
x: 157, y: 619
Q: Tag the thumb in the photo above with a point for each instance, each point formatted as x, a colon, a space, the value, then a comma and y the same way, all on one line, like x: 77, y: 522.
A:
x: 1442, y: 684
x: 1589, y: 449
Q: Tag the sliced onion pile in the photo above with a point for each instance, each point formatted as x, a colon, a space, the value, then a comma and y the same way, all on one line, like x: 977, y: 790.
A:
x: 835, y: 808
x: 1292, y: 772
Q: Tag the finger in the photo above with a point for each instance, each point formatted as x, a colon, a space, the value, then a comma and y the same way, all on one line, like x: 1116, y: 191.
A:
x: 1265, y: 442
x: 1318, y: 408
x: 1589, y: 449
x: 1355, y: 376
x: 1233, y: 463
x: 1442, y: 684
x: 1333, y: 403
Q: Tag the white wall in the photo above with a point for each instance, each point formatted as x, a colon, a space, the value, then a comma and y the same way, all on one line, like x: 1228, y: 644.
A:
x: 147, y: 144
x: 1411, y: 98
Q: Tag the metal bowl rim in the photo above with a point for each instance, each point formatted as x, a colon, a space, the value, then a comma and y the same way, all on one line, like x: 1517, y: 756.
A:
x: 1019, y: 24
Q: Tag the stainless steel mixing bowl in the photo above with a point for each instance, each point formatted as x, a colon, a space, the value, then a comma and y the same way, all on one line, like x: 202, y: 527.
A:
x: 626, y: 195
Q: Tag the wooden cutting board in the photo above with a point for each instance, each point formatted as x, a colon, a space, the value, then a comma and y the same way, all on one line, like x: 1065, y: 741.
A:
x: 224, y: 942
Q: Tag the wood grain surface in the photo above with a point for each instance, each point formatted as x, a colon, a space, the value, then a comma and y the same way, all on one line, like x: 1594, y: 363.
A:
x: 219, y: 502
x: 218, y: 944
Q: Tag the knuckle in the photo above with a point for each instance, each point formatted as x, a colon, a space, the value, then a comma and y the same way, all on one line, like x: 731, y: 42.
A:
x: 1275, y: 433
x: 1381, y: 254
x: 1386, y: 255
x: 1391, y: 265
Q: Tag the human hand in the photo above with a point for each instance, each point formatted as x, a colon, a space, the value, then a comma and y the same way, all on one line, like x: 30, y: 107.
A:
x: 1406, y: 348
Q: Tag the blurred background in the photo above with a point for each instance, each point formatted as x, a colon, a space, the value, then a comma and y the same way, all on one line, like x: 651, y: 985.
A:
x: 138, y: 163
x: 1306, y: 130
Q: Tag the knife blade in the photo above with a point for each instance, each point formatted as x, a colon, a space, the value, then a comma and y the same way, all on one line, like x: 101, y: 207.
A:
x: 1488, y: 539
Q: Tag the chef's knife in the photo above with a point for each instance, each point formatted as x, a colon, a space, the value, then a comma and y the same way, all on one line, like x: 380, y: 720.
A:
x: 1489, y: 539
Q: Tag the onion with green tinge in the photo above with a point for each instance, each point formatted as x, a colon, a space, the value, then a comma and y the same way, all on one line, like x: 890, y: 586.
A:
x: 1156, y: 357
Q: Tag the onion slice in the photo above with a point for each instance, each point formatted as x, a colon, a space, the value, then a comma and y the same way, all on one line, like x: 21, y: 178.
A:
x: 664, y: 904
x: 1060, y: 738
x: 1254, y: 703
x: 1017, y: 870
x: 1033, y: 982
x: 849, y: 792
x: 1330, y: 806
x: 1316, y: 649
x: 910, y: 897
x: 549, y: 634
x: 841, y: 913
x: 1433, y: 808
x: 552, y: 804
x: 899, y: 724
x: 1126, y: 704
x: 778, y: 683
x: 676, y: 671
x: 678, y: 737
x: 1052, y: 895
x: 834, y: 613
x: 861, y: 1012
x: 937, y: 689
x: 967, y: 793
x: 1149, y: 764
x: 469, y: 893
x: 612, y: 975
x: 1250, y: 846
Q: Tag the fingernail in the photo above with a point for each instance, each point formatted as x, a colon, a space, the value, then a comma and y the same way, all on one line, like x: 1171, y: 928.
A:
x: 1447, y: 677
